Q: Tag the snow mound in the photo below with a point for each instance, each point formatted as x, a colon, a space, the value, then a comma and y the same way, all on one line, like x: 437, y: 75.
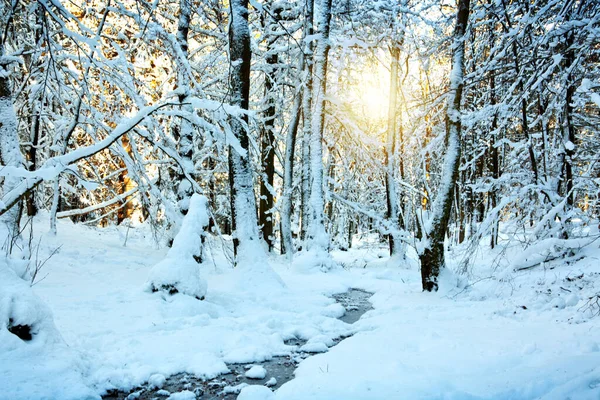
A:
x: 179, y: 272
x: 314, y: 260
x: 271, y: 382
x: 23, y: 316
x: 548, y: 250
x: 183, y: 395
x: 254, y: 272
x: 256, y: 392
x: 34, y: 360
x: 157, y: 381
x: 177, y: 276
x: 256, y: 372
x: 315, y: 347
x: 450, y: 283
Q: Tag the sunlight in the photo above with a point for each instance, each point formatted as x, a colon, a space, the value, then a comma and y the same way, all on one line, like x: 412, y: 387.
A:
x: 372, y: 93
x: 375, y: 101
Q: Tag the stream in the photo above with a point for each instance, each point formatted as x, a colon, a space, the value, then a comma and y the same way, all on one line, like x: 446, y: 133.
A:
x: 280, y: 369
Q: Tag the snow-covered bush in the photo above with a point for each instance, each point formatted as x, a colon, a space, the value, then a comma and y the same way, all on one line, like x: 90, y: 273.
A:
x: 23, y: 316
x: 35, y: 362
x: 179, y: 272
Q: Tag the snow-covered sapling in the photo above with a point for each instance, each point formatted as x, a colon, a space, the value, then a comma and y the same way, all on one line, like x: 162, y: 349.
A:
x: 179, y: 272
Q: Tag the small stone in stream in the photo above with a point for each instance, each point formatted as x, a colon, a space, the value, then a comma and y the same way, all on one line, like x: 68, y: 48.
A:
x: 234, y: 389
x: 317, y: 347
x: 134, y: 395
x: 271, y: 382
x: 214, y: 384
x: 256, y: 372
x: 199, y: 392
x: 163, y: 392
x: 183, y: 395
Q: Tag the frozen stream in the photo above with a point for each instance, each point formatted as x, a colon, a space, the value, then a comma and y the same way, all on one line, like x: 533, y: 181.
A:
x: 227, y: 386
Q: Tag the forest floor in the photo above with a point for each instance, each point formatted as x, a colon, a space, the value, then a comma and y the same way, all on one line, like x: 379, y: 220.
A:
x: 494, y: 333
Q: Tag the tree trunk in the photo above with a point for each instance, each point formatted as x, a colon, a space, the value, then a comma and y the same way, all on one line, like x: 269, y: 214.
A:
x: 568, y: 129
x: 432, y: 257
x: 330, y: 188
x: 243, y: 203
x: 318, y: 238
x: 287, y: 246
x: 31, y: 156
x: 10, y: 151
x: 390, y: 150
x: 306, y: 121
x: 185, y: 132
x: 267, y: 140
x: 495, y: 161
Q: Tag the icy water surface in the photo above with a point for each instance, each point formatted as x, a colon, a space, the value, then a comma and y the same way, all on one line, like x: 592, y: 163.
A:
x: 226, y: 387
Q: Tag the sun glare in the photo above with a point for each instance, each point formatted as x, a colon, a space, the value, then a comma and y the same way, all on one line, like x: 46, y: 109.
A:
x: 372, y: 94
x: 375, y: 102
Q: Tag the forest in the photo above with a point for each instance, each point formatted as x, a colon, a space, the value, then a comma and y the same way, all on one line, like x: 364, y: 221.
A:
x: 300, y: 199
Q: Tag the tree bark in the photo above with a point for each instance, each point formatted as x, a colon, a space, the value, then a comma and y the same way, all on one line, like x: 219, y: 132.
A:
x: 318, y: 238
x: 432, y: 257
x: 184, y: 130
x: 10, y: 151
x: 243, y: 203
x: 267, y: 142
x: 306, y: 120
x: 390, y: 150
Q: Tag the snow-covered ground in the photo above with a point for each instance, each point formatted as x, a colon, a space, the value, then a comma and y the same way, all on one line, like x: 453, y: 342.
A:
x: 508, y: 335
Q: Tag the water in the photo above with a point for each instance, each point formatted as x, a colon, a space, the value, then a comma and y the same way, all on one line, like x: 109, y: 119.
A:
x: 227, y: 386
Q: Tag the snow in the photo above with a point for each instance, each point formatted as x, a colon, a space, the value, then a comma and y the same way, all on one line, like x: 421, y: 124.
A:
x: 315, y: 347
x: 256, y: 372
x: 413, y: 346
x: 183, y: 395
x: 179, y: 272
x: 595, y: 98
x: 256, y: 392
x: 505, y: 335
x: 43, y: 367
x: 569, y: 145
x: 156, y: 381
x: 126, y: 336
x: 271, y: 382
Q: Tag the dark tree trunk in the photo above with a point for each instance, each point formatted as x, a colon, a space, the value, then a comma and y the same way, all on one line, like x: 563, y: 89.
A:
x: 267, y: 142
x: 567, y: 126
x: 306, y: 120
x: 31, y: 157
x: 390, y: 149
x: 432, y: 257
x: 184, y: 130
x: 243, y: 203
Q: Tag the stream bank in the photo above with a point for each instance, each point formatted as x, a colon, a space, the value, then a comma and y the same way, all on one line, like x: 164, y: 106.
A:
x: 277, y: 371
